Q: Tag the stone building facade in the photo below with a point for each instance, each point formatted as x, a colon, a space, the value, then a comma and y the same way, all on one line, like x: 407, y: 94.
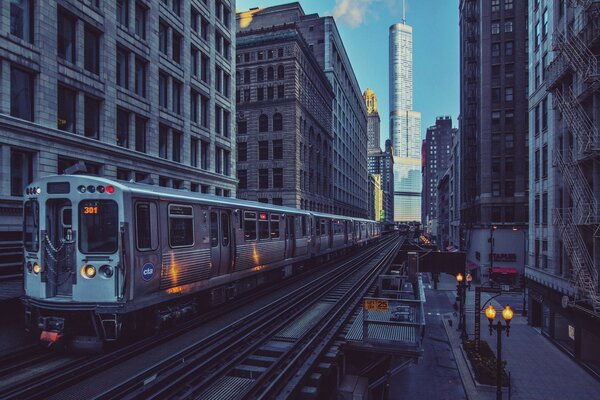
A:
x: 382, y: 163
x: 285, y: 150
x: 135, y: 89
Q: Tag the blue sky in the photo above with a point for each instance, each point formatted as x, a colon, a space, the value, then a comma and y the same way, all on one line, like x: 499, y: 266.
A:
x: 364, y: 25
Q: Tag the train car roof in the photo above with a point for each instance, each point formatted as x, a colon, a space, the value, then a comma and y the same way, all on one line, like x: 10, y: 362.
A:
x: 166, y: 193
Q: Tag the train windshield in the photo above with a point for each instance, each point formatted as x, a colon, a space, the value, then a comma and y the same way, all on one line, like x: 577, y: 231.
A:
x: 31, y: 233
x: 98, y: 226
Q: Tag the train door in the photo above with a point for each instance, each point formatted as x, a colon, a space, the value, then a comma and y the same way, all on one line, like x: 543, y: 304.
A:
x: 59, y: 248
x: 220, y: 241
x: 290, y: 236
x: 331, y: 232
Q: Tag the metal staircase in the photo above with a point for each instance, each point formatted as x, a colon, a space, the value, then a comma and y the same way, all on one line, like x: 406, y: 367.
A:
x: 585, y: 207
x: 577, y: 119
x: 585, y: 275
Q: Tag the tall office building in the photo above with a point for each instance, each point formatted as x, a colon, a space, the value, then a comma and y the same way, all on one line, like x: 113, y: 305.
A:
x: 564, y: 178
x: 438, y: 141
x: 133, y: 89
x: 405, y: 127
x: 382, y: 163
x: 284, y: 101
x: 373, y: 121
x: 493, y: 133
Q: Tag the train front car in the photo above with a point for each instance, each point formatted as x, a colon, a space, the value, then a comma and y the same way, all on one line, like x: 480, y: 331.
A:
x: 74, y: 275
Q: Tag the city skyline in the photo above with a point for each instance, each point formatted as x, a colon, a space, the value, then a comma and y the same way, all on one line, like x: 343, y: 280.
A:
x: 364, y: 27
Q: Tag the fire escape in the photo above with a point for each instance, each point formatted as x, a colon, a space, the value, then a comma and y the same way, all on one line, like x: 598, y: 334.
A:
x: 575, y: 59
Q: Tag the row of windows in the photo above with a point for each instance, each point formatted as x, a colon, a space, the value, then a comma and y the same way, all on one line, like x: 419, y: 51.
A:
x: 258, y: 55
x: 508, y: 26
x: 263, y: 124
x: 540, y: 116
x: 508, y: 48
x: 543, y: 165
x: 495, y: 5
x: 263, y: 178
x: 246, y: 94
x: 263, y: 150
x: 245, y: 77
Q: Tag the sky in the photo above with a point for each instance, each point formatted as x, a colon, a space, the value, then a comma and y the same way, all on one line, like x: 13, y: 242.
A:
x: 364, y: 27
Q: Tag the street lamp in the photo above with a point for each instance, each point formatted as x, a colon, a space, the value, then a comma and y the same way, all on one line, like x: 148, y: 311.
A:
x: 507, y: 314
x: 460, y: 288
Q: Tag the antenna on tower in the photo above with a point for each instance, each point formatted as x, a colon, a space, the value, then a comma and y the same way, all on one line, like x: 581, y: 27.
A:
x: 404, y: 12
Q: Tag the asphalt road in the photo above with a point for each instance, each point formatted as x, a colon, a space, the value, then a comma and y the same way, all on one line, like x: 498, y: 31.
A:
x: 436, y: 375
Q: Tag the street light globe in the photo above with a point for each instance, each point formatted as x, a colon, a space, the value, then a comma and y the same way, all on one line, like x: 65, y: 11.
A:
x: 507, y: 313
x: 459, y: 277
x: 490, y: 312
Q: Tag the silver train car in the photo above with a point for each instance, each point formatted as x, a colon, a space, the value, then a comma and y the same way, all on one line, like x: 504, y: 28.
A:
x: 104, y: 259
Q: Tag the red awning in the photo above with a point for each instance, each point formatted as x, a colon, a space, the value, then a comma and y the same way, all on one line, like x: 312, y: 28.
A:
x: 505, y: 270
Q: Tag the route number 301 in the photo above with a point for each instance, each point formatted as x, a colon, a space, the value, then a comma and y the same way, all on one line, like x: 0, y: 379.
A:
x: 376, y: 305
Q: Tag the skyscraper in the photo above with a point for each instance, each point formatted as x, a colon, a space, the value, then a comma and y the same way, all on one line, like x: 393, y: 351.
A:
x: 373, y: 121
x: 405, y: 127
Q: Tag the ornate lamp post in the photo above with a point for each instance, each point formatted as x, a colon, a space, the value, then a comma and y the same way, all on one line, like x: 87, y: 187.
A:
x: 460, y: 290
x: 507, y: 314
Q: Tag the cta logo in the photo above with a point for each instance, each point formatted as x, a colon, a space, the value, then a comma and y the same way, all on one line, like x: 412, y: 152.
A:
x: 147, y: 271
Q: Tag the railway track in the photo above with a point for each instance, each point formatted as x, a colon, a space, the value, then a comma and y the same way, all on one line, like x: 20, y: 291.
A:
x: 252, y: 357
x: 52, y: 382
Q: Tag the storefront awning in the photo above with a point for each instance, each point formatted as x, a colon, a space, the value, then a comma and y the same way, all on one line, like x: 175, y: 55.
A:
x: 504, y: 270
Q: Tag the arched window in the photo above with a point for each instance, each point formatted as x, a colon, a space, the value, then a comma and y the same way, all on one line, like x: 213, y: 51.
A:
x: 277, y: 122
x: 246, y: 76
x: 280, y: 72
x: 260, y: 75
x: 270, y: 73
x: 263, y: 123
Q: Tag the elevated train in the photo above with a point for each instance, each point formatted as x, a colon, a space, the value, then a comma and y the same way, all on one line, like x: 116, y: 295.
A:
x: 104, y: 258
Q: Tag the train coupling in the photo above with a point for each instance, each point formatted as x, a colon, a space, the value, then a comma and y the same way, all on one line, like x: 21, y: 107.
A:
x: 52, y: 330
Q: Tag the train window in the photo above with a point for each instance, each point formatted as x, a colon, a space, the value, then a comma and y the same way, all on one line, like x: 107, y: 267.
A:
x: 225, y: 228
x: 181, y: 226
x: 98, y: 226
x: 274, y: 226
x: 214, y: 230
x: 323, y: 227
x: 304, y: 223
x: 263, y: 225
x: 249, y: 225
x: 31, y: 222
x: 145, y: 219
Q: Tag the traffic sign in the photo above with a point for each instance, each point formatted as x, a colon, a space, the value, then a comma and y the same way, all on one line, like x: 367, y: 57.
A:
x: 376, y: 305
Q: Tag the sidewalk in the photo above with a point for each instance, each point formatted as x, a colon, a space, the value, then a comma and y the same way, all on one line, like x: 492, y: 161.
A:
x: 540, y: 371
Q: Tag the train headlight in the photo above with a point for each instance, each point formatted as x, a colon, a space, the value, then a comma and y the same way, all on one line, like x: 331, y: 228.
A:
x: 81, y: 189
x: 29, y: 266
x: 100, y: 189
x: 38, y: 190
x: 106, y: 271
x: 88, y: 271
x: 37, y: 268
x: 91, y: 188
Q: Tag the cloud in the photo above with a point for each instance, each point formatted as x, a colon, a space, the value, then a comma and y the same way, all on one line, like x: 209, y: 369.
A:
x: 352, y: 12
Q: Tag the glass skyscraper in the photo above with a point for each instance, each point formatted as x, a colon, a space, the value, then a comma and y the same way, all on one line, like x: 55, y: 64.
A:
x: 405, y: 127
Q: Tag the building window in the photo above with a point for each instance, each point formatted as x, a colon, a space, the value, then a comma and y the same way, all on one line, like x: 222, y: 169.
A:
x: 260, y: 75
x: 495, y: 5
x: 270, y: 93
x: 204, y: 155
x: 194, y: 19
x: 280, y: 72
x: 537, y: 35
x: 226, y: 123
x: 246, y: 95
x: 537, y: 164
x: 163, y: 138
x: 91, y: 55
x: 204, y: 104
x: 177, y: 40
x: 21, y: 94
x: 545, y: 161
x: 123, y: 12
x: 218, y: 115
x: 508, y: 4
x: 536, y: 117
x: 495, y: 28
x: 509, y: 116
x: 263, y: 150
x: 247, y: 76
x: 21, y: 171
x: 204, y: 29
x: 496, y: 95
x: 162, y: 90
x: 21, y: 21
x: 66, y: 37
x: 66, y: 109
x: 194, y: 152
x: 496, y: 189
x: 509, y: 141
x: 242, y: 127
x: 226, y: 162
x: 242, y: 151
x: 495, y: 117
x: 545, y: 114
x: 508, y: 94
x: 194, y: 106
x: 162, y: 38
x: 177, y: 145
x: 263, y: 123
x: 270, y: 73
x: 278, y: 149
x: 277, y: 177
x: 122, y: 128
x: 176, y: 97
x: 545, y: 212
x: 140, y: 77
x: 176, y: 7
x: 218, y: 160
x: 280, y: 91
x: 509, y: 165
x: 242, y: 175
x: 545, y: 24
x: 277, y: 122
x: 204, y: 67
x: 263, y: 178
x: 260, y: 94
x: 508, y: 48
x: 140, y: 134
x: 92, y: 117
x: 495, y: 49
x: 140, y: 20
x: 509, y: 70
x: 508, y: 25
x: 122, y: 68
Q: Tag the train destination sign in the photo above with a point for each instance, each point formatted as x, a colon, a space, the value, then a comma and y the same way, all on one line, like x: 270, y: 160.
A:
x: 376, y: 305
